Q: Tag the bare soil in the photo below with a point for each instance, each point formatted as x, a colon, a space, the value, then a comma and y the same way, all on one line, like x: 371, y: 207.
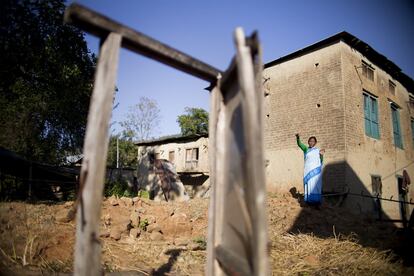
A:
x: 35, y: 240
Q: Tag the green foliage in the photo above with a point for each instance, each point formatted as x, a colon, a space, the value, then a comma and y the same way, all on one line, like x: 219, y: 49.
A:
x: 143, y: 224
x: 127, y: 151
x: 195, y: 121
x: 46, y: 77
x: 201, y: 241
x: 143, y: 194
x: 119, y: 188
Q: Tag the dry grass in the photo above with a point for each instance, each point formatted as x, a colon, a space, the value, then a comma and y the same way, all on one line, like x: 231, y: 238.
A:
x: 305, y: 254
x: 31, y: 236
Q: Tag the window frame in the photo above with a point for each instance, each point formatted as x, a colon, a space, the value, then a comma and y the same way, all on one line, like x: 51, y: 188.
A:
x: 369, y: 131
x: 191, y: 160
x: 171, y: 153
x: 396, y: 121
x: 392, y: 85
x: 366, y: 67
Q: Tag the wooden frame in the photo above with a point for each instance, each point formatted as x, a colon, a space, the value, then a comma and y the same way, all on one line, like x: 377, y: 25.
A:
x: 237, y: 231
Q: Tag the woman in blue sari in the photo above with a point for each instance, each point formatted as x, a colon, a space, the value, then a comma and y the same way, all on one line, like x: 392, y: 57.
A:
x: 312, y: 179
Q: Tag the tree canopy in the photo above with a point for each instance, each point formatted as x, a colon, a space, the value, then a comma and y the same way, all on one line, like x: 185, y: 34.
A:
x: 194, y: 121
x: 46, y: 77
x: 142, y: 119
x: 126, y: 149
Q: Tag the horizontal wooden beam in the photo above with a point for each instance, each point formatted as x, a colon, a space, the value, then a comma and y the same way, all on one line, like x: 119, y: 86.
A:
x: 100, y: 25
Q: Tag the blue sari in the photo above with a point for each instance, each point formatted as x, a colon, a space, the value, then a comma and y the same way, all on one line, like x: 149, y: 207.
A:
x: 312, y: 179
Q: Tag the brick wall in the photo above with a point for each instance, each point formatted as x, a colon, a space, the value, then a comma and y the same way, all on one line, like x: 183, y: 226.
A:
x: 321, y: 94
x: 367, y: 156
x: 303, y: 95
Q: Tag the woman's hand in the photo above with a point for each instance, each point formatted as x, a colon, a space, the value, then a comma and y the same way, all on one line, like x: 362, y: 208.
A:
x: 297, y: 135
x: 322, y: 152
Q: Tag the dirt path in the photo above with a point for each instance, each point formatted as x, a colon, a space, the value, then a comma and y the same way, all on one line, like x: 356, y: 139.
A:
x: 169, y: 238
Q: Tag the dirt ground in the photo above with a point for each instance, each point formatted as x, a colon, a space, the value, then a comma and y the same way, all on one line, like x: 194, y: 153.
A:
x: 160, y: 238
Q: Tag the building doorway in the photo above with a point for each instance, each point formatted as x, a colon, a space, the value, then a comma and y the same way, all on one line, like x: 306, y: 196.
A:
x: 402, y: 197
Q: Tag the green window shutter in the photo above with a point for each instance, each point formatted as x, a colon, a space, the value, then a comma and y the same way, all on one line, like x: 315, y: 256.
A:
x: 367, y: 115
x: 374, y: 118
x: 371, y: 116
x: 396, y: 127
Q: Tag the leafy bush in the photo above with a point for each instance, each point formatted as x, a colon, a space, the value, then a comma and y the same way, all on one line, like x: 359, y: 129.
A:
x: 118, y: 187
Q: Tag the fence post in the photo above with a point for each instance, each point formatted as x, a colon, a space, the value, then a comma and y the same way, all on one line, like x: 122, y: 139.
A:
x: 88, y: 247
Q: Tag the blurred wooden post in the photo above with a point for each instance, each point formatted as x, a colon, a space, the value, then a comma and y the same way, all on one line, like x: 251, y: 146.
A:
x: 88, y: 247
x: 237, y: 231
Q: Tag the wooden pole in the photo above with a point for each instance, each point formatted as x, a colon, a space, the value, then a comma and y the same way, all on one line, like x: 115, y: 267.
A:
x: 253, y: 135
x: 88, y: 247
x: 100, y: 25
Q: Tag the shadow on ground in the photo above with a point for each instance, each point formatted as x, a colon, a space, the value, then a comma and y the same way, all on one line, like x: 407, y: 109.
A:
x: 352, y: 215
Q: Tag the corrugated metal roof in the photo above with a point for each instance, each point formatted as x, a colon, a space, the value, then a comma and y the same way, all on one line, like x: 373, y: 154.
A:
x: 171, y: 139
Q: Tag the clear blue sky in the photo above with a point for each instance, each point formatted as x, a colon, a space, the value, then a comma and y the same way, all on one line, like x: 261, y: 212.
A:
x: 204, y: 30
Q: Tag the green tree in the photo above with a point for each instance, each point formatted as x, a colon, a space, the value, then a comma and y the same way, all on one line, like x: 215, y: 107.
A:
x: 46, y: 77
x: 127, y: 150
x: 142, y: 119
x: 195, y: 121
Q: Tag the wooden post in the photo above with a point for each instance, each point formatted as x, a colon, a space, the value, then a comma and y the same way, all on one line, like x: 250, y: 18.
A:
x: 237, y: 230
x: 253, y: 135
x: 88, y: 247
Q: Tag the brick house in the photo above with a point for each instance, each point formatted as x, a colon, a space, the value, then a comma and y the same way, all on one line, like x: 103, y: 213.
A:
x: 359, y: 105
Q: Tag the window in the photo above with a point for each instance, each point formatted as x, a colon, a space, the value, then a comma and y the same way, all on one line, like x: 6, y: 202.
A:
x: 396, y: 127
x: 391, y: 87
x: 191, y: 158
x: 171, y: 156
x: 367, y: 71
x: 371, y: 116
x: 377, y: 192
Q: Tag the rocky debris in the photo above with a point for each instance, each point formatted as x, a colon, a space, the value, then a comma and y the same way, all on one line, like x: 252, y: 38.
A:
x: 156, y: 236
x: 154, y: 228
x: 134, y: 217
x: 177, y: 225
x: 181, y: 242
x: 68, y: 204
x: 120, y: 227
x: 137, y: 201
x: 105, y: 234
x: 107, y: 219
x: 66, y: 216
x: 134, y: 233
x: 113, y: 201
x: 116, y: 233
x: 126, y: 201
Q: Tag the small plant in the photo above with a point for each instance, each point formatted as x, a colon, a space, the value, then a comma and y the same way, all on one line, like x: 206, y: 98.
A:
x: 143, y: 194
x: 143, y: 224
x: 118, y: 187
x: 201, y: 241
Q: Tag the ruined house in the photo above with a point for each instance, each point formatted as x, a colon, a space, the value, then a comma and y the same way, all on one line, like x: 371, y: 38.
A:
x: 359, y: 105
x: 189, y: 156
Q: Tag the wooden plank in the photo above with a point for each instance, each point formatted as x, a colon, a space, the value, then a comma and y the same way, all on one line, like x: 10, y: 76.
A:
x: 88, y: 247
x: 253, y: 131
x: 237, y: 217
x: 100, y: 25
